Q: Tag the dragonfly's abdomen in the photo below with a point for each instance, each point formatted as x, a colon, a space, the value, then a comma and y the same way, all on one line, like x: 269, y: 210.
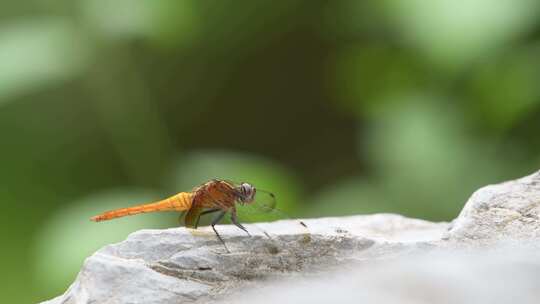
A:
x: 179, y: 202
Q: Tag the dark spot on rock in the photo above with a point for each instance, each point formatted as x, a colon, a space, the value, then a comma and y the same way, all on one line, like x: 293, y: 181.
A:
x: 272, y: 249
x: 204, y: 268
x: 483, y: 206
x: 306, y: 238
x: 340, y: 230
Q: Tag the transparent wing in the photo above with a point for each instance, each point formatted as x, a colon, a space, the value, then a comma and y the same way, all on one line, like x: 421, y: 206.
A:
x: 263, y: 209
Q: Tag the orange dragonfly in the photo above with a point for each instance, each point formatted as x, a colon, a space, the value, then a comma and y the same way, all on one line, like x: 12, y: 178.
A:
x: 213, y: 196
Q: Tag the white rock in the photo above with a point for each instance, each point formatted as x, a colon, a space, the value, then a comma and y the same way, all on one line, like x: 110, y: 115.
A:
x: 508, y: 211
x: 381, y: 258
x: 179, y: 265
x: 499, y: 276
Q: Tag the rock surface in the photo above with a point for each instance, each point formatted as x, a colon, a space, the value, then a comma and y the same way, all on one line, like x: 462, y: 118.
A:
x: 180, y: 265
x: 502, y: 212
x: 176, y: 265
x: 498, y: 276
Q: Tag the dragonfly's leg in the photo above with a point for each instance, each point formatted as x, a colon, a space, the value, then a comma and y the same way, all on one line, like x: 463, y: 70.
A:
x: 203, y: 213
x: 234, y: 219
x: 214, y: 222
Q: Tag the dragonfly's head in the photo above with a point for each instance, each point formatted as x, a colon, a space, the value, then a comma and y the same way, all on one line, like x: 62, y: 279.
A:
x: 246, y: 193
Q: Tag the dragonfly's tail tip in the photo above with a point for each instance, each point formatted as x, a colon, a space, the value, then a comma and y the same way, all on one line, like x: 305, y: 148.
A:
x: 96, y: 218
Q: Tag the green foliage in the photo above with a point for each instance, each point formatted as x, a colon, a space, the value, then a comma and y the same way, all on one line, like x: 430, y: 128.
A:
x: 38, y: 53
x: 68, y: 236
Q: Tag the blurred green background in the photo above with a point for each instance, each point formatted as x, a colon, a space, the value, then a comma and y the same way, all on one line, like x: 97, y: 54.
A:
x: 340, y: 107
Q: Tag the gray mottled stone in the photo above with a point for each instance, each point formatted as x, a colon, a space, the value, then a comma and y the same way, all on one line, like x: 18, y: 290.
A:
x: 382, y: 258
x: 508, y: 211
x: 181, y: 265
x: 460, y: 276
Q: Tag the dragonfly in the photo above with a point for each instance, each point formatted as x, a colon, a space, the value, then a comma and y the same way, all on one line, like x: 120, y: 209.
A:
x: 215, y: 196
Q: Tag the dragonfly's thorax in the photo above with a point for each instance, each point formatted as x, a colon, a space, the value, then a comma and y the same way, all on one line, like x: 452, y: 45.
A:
x: 246, y: 193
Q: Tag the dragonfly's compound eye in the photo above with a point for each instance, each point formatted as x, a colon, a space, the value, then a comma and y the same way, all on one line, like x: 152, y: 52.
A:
x: 248, y: 192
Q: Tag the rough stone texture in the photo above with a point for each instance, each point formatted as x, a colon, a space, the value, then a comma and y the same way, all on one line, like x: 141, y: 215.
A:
x: 177, y: 265
x: 499, y: 276
x: 381, y: 253
x: 502, y: 212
